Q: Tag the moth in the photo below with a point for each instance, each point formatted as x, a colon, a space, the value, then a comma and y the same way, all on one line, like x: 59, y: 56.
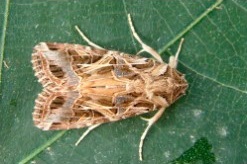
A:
x: 86, y: 86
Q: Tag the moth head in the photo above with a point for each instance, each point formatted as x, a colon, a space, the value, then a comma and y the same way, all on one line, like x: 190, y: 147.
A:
x: 167, y: 87
x: 179, y: 86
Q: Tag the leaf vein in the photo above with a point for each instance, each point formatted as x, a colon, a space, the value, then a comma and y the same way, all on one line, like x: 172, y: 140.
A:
x: 215, y: 80
x: 5, y: 22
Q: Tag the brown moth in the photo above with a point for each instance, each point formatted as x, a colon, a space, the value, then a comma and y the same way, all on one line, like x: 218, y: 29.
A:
x: 85, y: 86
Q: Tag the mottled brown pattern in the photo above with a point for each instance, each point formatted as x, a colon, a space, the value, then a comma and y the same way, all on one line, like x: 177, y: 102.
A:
x: 84, y: 86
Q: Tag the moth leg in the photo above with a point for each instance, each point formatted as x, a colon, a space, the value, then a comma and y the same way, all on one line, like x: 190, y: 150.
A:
x: 139, y: 52
x: 86, y: 133
x: 87, y: 40
x: 145, y: 47
x: 150, y: 122
x: 173, y: 60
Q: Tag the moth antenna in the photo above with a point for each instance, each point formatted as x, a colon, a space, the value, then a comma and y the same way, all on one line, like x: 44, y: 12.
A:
x: 173, y: 60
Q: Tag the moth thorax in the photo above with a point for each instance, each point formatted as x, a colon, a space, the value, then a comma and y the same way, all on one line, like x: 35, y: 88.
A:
x: 137, y: 86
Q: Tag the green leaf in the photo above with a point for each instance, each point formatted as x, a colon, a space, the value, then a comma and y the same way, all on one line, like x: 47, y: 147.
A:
x: 214, y: 59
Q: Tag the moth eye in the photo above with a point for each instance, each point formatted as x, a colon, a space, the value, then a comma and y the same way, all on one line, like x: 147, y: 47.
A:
x: 57, y: 102
x: 57, y: 71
